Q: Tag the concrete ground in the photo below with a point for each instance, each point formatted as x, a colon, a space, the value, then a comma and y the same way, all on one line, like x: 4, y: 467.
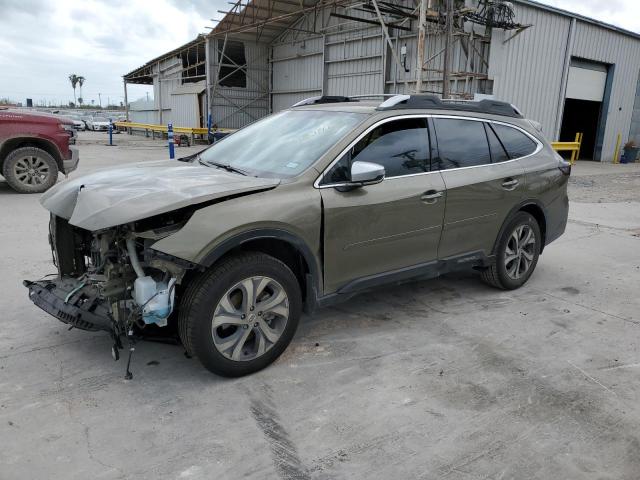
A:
x: 438, y: 379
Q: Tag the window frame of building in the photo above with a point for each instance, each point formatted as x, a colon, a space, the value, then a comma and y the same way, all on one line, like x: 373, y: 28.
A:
x: 232, y: 64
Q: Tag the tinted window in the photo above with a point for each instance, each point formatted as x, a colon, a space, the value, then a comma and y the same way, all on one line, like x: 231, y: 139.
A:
x: 515, y: 142
x: 498, y: 153
x: 401, y: 147
x: 461, y: 143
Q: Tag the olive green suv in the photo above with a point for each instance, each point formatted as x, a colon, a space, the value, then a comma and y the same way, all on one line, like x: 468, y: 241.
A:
x: 299, y: 210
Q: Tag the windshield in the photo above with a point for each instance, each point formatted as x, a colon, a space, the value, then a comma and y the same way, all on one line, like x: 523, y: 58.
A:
x: 284, y: 144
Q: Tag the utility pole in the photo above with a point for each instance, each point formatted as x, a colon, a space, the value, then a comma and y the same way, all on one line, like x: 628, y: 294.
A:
x: 421, y: 40
x: 446, y: 83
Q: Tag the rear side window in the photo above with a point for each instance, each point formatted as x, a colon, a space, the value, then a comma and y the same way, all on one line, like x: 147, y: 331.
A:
x: 400, y: 146
x: 498, y: 153
x: 515, y: 142
x: 461, y: 143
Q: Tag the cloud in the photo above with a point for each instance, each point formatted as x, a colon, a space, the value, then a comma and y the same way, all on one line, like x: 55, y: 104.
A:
x: 621, y: 13
x: 42, y: 42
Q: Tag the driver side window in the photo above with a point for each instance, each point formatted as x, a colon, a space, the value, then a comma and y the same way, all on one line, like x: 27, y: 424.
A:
x: 400, y: 146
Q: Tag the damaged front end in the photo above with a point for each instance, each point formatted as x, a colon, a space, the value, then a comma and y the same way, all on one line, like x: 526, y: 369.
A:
x: 110, y: 279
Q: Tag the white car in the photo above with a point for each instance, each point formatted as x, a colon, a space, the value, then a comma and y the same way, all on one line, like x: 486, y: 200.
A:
x: 98, y: 123
x: 78, y: 124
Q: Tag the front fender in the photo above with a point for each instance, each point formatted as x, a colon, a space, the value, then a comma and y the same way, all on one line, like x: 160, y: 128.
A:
x: 291, y: 212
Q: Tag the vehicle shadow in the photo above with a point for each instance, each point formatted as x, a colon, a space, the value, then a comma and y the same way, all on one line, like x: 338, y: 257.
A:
x: 415, y: 302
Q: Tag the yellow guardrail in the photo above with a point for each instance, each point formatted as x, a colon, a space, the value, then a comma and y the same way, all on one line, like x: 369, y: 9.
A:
x: 573, y: 147
x: 148, y: 127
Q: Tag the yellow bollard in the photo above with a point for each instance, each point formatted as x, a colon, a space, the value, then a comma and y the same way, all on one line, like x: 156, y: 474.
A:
x: 617, y: 150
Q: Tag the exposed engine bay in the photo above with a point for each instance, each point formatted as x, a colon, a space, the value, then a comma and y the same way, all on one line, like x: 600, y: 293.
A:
x: 110, y: 279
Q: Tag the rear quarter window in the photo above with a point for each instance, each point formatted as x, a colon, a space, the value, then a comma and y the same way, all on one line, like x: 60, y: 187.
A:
x: 461, y: 143
x: 516, y: 143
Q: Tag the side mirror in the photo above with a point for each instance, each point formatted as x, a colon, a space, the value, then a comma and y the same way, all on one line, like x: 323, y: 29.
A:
x: 366, y: 173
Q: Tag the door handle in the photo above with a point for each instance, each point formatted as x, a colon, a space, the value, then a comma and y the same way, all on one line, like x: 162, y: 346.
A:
x: 510, y: 183
x: 431, y: 196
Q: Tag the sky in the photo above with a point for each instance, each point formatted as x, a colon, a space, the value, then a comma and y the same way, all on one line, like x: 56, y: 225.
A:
x: 43, y: 41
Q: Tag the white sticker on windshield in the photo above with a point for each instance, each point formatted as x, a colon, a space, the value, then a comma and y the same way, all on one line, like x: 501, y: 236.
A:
x: 292, y: 165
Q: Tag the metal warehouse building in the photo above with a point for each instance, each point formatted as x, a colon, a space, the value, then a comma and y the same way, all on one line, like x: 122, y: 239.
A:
x: 568, y: 72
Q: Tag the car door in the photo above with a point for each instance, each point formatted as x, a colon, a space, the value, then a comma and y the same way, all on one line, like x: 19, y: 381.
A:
x: 483, y: 184
x: 377, y: 230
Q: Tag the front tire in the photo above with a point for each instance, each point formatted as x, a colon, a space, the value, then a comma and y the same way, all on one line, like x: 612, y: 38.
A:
x: 30, y: 170
x: 517, y: 253
x: 240, y: 316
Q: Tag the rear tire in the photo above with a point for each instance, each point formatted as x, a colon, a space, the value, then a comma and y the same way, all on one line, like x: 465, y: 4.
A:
x: 516, y: 254
x: 240, y: 316
x: 30, y: 170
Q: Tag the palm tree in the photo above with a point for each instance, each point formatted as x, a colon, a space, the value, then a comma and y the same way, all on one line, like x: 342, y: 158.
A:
x: 73, y: 78
x: 81, y: 80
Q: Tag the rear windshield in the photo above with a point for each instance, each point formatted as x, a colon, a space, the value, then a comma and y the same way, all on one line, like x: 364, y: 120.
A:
x: 282, y: 145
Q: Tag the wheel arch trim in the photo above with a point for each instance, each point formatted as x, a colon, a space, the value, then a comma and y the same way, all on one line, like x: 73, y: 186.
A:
x: 263, y: 234
x: 521, y: 207
x: 16, y: 142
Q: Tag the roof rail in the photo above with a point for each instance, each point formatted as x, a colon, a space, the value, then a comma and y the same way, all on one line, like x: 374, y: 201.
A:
x: 421, y: 101
x: 322, y: 99
x: 432, y: 102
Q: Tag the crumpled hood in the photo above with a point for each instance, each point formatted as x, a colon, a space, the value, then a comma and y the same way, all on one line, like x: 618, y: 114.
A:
x: 121, y: 195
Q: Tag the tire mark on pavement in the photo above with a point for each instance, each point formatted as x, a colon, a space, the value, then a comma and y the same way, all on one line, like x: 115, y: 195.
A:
x: 283, y: 451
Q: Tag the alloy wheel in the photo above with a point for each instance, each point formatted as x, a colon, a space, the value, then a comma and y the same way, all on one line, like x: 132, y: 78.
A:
x: 250, y: 318
x: 31, y: 170
x: 520, y: 251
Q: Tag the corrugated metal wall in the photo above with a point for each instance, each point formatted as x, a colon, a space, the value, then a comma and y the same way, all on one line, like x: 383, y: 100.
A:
x: 354, y: 61
x: 528, y: 69
x: 142, y: 111
x: 340, y: 61
x: 166, y: 80
x: 297, y: 71
x: 185, y: 110
x: 606, y: 46
x: 351, y: 58
x: 234, y: 107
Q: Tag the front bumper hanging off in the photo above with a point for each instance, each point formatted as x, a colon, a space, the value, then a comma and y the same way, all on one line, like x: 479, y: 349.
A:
x: 71, y: 303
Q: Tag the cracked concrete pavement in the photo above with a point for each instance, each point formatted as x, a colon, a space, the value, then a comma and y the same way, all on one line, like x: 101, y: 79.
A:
x: 445, y: 378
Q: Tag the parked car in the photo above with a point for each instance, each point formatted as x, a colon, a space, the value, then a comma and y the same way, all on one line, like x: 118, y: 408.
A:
x: 34, y: 147
x: 78, y: 123
x: 299, y: 210
x: 98, y: 123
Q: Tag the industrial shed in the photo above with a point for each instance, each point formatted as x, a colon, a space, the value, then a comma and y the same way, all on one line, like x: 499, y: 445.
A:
x: 178, y: 79
x: 568, y: 72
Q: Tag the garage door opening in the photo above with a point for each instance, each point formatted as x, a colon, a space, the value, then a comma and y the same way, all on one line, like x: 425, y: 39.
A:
x: 581, y: 116
x: 585, y: 106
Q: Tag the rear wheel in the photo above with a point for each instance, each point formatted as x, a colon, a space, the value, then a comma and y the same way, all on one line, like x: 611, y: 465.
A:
x: 516, y: 254
x: 239, y: 317
x: 30, y: 170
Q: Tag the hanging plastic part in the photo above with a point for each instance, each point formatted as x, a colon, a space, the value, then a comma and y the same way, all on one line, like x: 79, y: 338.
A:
x: 128, y: 375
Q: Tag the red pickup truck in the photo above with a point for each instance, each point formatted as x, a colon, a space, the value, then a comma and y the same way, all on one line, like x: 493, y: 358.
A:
x: 34, y: 147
